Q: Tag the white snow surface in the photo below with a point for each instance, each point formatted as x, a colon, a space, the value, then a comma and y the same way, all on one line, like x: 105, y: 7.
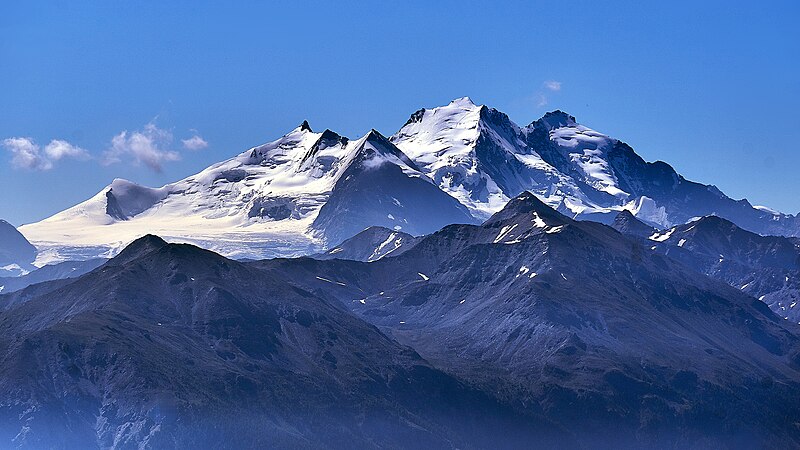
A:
x: 386, y: 247
x: 224, y: 208
x: 442, y: 142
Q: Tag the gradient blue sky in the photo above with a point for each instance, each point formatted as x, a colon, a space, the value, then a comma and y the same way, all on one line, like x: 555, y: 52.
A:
x: 709, y: 87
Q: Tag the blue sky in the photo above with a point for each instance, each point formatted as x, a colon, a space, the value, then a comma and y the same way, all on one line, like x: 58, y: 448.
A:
x: 709, y: 87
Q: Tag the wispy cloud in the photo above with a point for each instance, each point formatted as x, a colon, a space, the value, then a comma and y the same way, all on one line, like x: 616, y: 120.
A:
x: 194, y: 143
x: 541, y: 101
x: 552, y: 85
x: 27, y: 154
x: 58, y: 149
x: 148, y: 146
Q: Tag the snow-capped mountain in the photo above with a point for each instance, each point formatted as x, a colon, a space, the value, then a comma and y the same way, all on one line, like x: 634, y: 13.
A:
x: 457, y: 163
x: 267, y: 201
x: 478, y: 155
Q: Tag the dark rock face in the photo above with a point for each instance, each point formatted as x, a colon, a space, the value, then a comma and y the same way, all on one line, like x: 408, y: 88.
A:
x: 14, y: 248
x: 627, y: 224
x: 584, y: 325
x: 274, y: 208
x: 766, y: 267
x: 371, y: 244
x: 113, y: 208
x: 378, y: 190
x: 173, y: 346
x: 125, y: 199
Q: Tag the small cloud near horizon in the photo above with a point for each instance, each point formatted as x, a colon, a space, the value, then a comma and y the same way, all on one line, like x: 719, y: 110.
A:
x: 27, y: 154
x: 194, y: 143
x: 552, y: 85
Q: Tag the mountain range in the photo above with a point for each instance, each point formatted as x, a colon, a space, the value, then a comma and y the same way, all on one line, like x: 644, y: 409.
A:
x: 558, y: 332
x: 459, y: 163
x: 462, y: 276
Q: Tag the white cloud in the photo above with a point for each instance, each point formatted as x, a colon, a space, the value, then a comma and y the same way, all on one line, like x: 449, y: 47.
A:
x: 27, y: 154
x: 543, y: 96
x: 552, y: 85
x: 148, y: 146
x: 194, y: 143
x: 58, y: 149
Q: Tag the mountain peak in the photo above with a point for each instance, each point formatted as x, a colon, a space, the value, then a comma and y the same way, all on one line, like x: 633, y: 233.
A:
x: 526, y: 203
x: 556, y: 119
x: 463, y: 101
x: 374, y: 134
x: 138, y: 248
x: 711, y: 223
x: 326, y: 140
x: 305, y: 127
x: 626, y: 223
x: 379, y: 144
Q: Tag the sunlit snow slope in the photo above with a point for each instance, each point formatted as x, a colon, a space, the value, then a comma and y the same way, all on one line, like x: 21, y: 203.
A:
x: 478, y: 155
x: 261, y: 203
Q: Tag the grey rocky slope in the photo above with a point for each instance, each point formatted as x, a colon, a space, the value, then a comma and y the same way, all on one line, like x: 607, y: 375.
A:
x: 627, y: 224
x: 371, y: 244
x: 620, y: 345
x: 171, y: 346
x: 766, y: 267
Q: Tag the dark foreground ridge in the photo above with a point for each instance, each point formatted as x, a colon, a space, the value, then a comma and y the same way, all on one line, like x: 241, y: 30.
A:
x: 531, y: 329
x: 170, y: 346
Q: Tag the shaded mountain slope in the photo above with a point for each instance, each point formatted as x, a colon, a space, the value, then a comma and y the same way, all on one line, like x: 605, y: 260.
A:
x: 16, y: 253
x: 613, y: 341
x: 174, y: 346
x: 627, y: 224
x: 383, y: 187
x: 766, y: 267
